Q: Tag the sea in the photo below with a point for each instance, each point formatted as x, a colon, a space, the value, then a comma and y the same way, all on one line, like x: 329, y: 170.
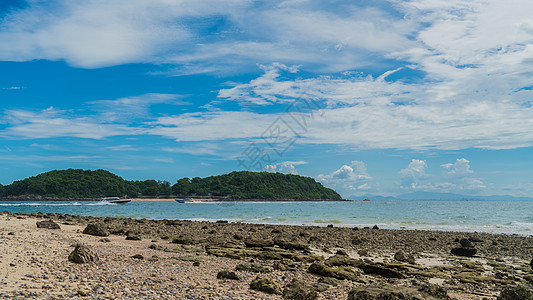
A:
x: 509, y: 217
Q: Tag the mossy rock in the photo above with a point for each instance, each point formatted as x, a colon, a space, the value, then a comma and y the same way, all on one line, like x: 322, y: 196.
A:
x: 265, y: 285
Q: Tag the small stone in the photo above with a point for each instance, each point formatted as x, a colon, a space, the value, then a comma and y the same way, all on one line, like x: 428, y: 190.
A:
x: 82, y: 293
x: 375, y: 227
x: 138, y: 256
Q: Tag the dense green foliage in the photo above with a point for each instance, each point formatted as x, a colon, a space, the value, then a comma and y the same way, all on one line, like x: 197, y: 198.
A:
x: 77, y: 183
x: 83, y: 184
x: 255, y: 185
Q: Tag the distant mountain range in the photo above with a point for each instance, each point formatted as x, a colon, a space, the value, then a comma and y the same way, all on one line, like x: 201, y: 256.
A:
x: 439, y: 196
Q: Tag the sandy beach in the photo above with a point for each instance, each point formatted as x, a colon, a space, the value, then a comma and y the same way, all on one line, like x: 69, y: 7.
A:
x: 171, y: 259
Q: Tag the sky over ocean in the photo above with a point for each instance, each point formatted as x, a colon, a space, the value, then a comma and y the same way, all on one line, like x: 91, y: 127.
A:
x: 368, y: 97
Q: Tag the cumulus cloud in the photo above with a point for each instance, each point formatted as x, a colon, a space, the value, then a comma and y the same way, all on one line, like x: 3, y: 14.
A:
x: 288, y: 167
x: 413, y: 174
x: 348, y: 178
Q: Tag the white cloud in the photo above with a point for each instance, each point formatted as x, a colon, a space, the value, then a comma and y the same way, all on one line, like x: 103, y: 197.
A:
x: 284, y: 167
x: 51, y: 123
x: 460, y: 168
x: 348, y: 178
x: 412, y: 175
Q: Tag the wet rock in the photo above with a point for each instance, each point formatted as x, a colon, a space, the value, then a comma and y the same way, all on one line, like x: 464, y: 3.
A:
x: 265, y: 285
x: 521, y: 292
x: 299, y: 290
x: 402, y: 256
x: 48, y: 225
x: 96, y: 229
x: 82, y: 254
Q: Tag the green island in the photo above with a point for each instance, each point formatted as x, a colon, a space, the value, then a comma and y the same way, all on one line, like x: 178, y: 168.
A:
x: 241, y: 185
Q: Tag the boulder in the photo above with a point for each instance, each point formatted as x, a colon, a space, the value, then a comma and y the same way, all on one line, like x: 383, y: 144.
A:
x: 299, y: 290
x: 82, y: 254
x: 227, y: 275
x: 466, y: 243
x: 96, y: 229
x: 48, y: 225
x: 265, y: 285
x: 338, y: 273
x: 521, y: 292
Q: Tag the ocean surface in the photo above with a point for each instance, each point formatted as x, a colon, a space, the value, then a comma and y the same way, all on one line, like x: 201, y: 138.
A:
x: 511, y: 217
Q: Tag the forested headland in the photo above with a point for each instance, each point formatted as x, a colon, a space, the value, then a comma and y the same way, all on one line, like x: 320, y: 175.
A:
x: 77, y: 183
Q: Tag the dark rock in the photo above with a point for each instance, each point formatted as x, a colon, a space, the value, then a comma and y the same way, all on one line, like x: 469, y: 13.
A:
x: 133, y: 237
x: 466, y: 243
x: 341, y: 252
x: 227, y: 275
x: 375, y: 227
x: 475, y: 240
x: 82, y: 254
x: 104, y: 240
x: 237, y: 237
x: 299, y: 290
x: 462, y: 251
x: 402, y: 256
x: 138, y: 256
x: 434, y: 290
x: 48, y: 225
x: 265, y: 285
x: 222, y: 221
x: 382, y: 271
x: 329, y: 281
x: 11, y: 233
x: 182, y: 241
x: 357, y: 240
x: 531, y: 263
x: 330, y: 226
x: 196, y: 263
x: 521, y: 292
x: 97, y: 229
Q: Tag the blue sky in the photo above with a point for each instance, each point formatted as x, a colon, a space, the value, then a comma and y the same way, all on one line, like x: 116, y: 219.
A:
x: 380, y: 97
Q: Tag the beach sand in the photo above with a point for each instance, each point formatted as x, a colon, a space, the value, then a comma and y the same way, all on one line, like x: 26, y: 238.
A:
x: 181, y: 259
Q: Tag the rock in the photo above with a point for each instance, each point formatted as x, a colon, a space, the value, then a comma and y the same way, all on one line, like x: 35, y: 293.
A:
x: 254, y: 267
x: 329, y: 281
x: 254, y: 243
x: 388, y: 293
x: 375, y: 227
x: 342, y: 260
x: 531, y: 263
x: 434, y: 290
x: 291, y: 245
x: 265, y: 285
x: 11, y: 233
x: 48, y: 225
x: 138, y: 256
x: 227, y: 275
x: 104, y: 240
x: 521, y: 292
x: 402, y: 256
x: 96, y: 229
x: 82, y: 293
x: 133, y: 237
x: 466, y: 243
x: 339, y: 273
x: 380, y: 270
x: 299, y: 290
x: 462, y: 251
x: 82, y: 254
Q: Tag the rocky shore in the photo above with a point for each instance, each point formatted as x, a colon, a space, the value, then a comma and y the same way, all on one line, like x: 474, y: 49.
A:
x: 119, y: 258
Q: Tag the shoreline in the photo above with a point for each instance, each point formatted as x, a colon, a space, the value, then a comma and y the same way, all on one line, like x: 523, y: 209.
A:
x: 186, y: 256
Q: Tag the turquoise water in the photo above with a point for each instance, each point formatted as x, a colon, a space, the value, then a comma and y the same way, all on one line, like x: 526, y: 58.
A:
x: 483, y: 216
